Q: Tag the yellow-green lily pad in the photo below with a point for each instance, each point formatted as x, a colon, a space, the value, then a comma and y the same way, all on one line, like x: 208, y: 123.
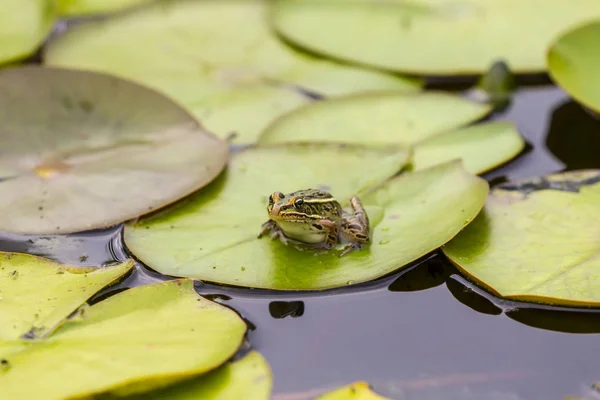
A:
x: 159, y: 331
x: 536, y: 240
x: 83, y: 150
x: 85, y: 7
x: 248, y: 378
x: 218, y: 58
x: 37, y: 294
x: 355, y: 391
x: 23, y: 27
x: 574, y: 62
x: 213, y: 235
x: 440, y: 37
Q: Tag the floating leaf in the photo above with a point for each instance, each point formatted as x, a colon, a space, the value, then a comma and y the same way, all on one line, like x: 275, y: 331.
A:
x: 159, y: 331
x: 84, y: 7
x: 212, y: 236
x: 219, y: 58
x: 536, y: 240
x: 248, y: 378
x: 355, y: 391
x: 82, y: 150
x: 430, y: 37
x: 574, y: 62
x: 23, y: 27
x: 36, y: 294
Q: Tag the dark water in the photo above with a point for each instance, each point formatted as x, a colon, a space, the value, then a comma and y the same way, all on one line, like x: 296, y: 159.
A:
x: 425, y: 333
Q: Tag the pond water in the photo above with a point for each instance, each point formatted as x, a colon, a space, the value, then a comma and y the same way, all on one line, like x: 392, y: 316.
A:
x: 423, y: 333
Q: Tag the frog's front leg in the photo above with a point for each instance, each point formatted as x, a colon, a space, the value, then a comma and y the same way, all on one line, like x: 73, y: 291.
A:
x: 276, y: 231
x: 355, y: 227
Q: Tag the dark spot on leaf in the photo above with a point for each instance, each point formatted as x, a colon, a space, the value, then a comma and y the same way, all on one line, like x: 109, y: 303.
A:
x: 86, y: 106
x: 66, y: 103
x: 40, y: 208
x: 32, y: 333
x: 4, y: 364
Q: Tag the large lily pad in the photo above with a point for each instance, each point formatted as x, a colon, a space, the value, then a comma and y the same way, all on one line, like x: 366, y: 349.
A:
x: 36, y: 294
x: 219, y: 58
x: 536, y: 240
x: 83, y: 150
x: 573, y: 63
x: 212, y: 236
x: 440, y: 37
x: 84, y: 7
x: 159, y: 331
x: 355, y: 391
x: 23, y: 26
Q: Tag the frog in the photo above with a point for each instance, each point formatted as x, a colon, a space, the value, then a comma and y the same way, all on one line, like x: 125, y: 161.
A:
x: 314, y: 219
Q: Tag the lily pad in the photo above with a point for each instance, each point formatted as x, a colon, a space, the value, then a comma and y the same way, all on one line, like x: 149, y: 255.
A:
x: 248, y: 378
x: 439, y: 37
x: 82, y: 150
x: 159, y: 331
x: 85, y: 7
x: 37, y: 294
x: 23, y: 27
x: 355, y: 391
x: 213, y: 235
x: 536, y: 240
x: 218, y: 58
x: 573, y: 63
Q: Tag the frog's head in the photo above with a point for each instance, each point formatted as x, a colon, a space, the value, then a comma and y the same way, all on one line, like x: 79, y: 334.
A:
x: 298, y: 206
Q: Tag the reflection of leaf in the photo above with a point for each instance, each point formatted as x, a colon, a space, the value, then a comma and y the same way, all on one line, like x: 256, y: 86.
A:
x: 36, y: 294
x: 83, y: 7
x: 219, y: 58
x: 87, y: 150
x: 23, y: 26
x: 160, y: 331
x: 430, y: 37
x: 355, y: 391
x: 573, y: 63
x: 536, y: 240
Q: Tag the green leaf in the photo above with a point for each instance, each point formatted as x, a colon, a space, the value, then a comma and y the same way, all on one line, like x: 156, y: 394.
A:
x: 375, y: 119
x: 159, y: 331
x: 574, y: 62
x: 536, y: 240
x: 218, y: 58
x: 82, y: 150
x: 23, y: 27
x: 212, y: 236
x: 355, y: 391
x: 36, y: 294
x: 248, y: 378
x: 430, y: 37
x: 85, y: 7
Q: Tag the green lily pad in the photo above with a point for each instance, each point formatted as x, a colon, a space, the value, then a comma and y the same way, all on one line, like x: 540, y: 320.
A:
x: 573, y: 63
x: 355, y: 391
x: 23, y: 27
x: 36, y: 294
x: 159, y: 331
x: 84, y: 7
x: 213, y: 235
x: 247, y: 378
x: 218, y: 58
x: 430, y: 37
x: 82, y: 150
x: 536, y: 240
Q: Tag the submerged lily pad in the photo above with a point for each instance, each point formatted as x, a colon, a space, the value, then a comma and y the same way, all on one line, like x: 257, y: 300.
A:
x: 160, y: 331
x: 23, y: 26
x: 84, y: 7
x: 213, y: 235
x: 537, y: 240
x: 82, y: 150
x: 439, y: 37
x: 425, y: 120
x: 355, y: 391
x: 219, y: 58
x: 574, y: 62
x: 37, y: 294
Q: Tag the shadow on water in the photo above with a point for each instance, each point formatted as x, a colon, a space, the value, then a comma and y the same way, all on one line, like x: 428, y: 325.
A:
x: 282, y: 309
x: 430, y: 273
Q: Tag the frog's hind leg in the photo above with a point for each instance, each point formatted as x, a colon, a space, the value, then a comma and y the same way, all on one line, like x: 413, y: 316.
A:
x: 355, y: 227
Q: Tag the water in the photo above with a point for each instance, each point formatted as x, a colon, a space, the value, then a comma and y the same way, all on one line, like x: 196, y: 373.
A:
x: 425, y: 333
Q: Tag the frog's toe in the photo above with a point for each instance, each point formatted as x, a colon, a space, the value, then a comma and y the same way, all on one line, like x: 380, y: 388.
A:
x: 351, y: 248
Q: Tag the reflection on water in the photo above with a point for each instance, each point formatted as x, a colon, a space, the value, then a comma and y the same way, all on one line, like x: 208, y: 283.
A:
x: 282, y: 309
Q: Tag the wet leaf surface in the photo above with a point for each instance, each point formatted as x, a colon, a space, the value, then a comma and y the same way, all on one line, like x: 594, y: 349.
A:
x: 37, y: 294
x: 573, y: 63
x: 430, y: 37
x: 82, y: 150
x: 536, y: 240
x: 156, y: 332
x: 355, y: 391
x: 218, y: 58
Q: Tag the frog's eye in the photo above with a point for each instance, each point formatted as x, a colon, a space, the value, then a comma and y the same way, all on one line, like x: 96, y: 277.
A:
x: 298, y: 203
x: 280, y: 195
x: 271, y: 199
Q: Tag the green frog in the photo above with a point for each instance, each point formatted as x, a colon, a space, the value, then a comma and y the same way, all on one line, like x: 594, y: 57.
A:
x: 313, y: 218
